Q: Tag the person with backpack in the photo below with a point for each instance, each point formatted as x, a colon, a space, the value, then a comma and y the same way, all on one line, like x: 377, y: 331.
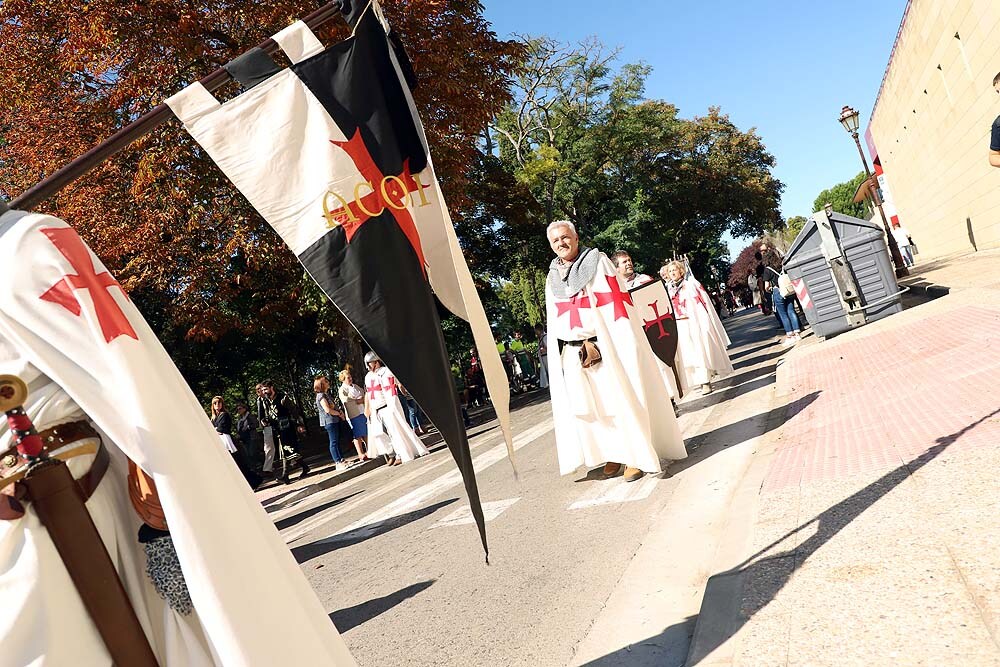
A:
x: 782, y: 294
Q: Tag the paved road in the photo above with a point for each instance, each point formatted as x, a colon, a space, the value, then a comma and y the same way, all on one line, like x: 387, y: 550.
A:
x: 396, y: 559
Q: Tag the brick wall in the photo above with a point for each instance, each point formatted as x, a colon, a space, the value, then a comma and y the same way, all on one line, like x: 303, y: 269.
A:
x: 931, y: 124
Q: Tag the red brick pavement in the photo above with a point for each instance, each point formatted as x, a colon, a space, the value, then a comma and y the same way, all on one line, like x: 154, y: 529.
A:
x: 884, y: 399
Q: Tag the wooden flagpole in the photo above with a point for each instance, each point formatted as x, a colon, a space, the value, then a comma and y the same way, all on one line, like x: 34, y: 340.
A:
x: 143, y: 126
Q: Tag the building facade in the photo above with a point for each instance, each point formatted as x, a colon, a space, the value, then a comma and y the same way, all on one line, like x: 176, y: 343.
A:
x: 930, y: 127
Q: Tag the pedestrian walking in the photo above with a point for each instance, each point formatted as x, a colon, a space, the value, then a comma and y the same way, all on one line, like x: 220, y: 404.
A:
x: 521, y: 356
x: 995, y: 131
x: 475, y: 380
x: 784, y: 304
x: 248, y: 432
x: 278, y: 411
x: 904, y: 242
x: 388, y: 431
x: 701, y: 338
x: 543, y: 356
x: 352, y: 398
x: 413, y: 413
x: 223, y: 423
x: 604, y: 380
x: 329, y: 418
x: 267, y: 433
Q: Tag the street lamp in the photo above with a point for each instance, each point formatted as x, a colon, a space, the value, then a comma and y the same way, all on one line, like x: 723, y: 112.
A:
x: 850, y: 118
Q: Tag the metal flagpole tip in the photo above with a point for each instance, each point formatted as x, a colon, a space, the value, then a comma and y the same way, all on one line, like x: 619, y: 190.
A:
x: 13, y: 392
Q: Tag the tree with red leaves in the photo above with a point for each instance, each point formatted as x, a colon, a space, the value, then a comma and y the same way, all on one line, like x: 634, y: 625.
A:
x: 188, y: 248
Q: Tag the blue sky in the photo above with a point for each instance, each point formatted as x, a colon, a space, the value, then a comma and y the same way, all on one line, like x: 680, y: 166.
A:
x: 785, y: 67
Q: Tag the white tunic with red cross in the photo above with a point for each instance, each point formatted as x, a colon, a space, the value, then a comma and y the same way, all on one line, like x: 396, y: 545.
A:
x: 619, y: 409
x: 389, y: 431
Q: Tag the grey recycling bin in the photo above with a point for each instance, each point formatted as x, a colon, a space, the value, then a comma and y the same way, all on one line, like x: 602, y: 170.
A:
x: 843, y: 272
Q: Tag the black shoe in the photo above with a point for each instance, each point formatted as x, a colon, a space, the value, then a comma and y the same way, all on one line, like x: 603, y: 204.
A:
x: 285, y: 480
x: 305, y: 470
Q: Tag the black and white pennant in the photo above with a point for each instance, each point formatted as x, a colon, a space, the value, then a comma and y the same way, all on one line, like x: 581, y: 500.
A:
x: 332, y: 154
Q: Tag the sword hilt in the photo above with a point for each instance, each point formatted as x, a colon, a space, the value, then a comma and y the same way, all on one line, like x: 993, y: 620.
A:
x: 13, y: 394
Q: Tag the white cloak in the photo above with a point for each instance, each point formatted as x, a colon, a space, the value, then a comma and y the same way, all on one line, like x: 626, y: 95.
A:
x: 388, y: 429
x: 701, y: 338
x: 618, y: 410
x: 254, y: 604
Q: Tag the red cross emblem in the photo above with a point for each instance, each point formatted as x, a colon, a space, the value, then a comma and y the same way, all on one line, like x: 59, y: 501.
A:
x: 374, y: 387
x: 573, y: 306
x: 648, y: 324
x: 113, y: 321
x: 388, y: 193
x: 615, y: 296
x: 391, y: 387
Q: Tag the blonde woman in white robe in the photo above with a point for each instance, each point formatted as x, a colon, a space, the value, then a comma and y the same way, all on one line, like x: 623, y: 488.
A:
x: 702, y: 340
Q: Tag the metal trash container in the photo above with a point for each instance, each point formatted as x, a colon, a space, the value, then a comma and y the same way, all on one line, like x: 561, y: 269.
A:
x: 843, y: 273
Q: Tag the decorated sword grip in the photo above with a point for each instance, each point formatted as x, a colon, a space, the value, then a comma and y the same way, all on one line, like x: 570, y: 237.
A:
x: 13, y: 394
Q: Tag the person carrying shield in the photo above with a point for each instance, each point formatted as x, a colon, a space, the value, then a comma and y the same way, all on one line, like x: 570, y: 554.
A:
x: 607, y: 391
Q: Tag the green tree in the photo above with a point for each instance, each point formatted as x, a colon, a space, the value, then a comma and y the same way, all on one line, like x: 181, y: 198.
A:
x: 587, y: 146
x: 842, y: 198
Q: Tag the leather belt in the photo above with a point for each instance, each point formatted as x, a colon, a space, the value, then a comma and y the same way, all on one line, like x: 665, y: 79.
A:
x: 61, y: 435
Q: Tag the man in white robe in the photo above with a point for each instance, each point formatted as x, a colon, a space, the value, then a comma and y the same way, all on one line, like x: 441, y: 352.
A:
x: 389, y: 432
x: 632, y: 279
x: 623, y: 264
x: 612, y: 412
x: 67, y: 327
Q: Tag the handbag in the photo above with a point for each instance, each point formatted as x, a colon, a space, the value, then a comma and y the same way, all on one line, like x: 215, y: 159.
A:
x: 227, y: 442
x: 590, y: 354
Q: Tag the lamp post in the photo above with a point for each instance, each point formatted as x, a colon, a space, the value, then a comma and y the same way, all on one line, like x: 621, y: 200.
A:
x: 849, y: 118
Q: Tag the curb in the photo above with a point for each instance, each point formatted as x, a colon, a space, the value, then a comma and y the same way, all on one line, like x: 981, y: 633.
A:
x: 721, y: 614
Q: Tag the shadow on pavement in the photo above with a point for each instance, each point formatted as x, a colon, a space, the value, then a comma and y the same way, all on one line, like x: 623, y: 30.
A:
x: 704, y: 445
x: 742, y: 353
x: 770, y: 574
x: 294, y: 519
x: 667, y: 648
x: 720, y: 395
x: 323, y: 546
x: 760, y: 359
x: 352, y: 617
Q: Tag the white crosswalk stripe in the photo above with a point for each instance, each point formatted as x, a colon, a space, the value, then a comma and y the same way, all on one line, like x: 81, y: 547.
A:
x: 302, y: 528
x: 463, y: 515
x: 615, y: 490
x: 449, y: 480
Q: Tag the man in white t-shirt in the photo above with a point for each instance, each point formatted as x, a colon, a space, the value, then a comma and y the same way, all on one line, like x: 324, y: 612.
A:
x: 902, y: 236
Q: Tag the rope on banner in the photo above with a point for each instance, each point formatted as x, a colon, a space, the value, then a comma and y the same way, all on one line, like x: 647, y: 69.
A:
x: 144, y: 125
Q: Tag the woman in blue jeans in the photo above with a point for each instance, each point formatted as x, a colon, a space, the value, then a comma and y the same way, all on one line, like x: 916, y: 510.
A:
x: 785, y: 308
x: 329, y: 417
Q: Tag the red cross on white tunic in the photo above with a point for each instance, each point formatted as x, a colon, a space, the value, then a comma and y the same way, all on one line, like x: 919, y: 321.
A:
x: 615, y: 296
x: 373, y: 388
x: 573, y: 306
x: 113, y: 321
x: 390, y: 388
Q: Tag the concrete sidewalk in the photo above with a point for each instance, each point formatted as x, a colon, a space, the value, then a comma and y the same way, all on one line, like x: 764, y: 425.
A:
x: 872, y: 511
x: 943, y: 275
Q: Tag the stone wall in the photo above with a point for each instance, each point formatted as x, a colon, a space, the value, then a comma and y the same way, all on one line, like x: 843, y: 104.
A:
x: 931, y: 124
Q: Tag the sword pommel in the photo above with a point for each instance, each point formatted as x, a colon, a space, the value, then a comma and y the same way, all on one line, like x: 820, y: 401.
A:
x: 13, y: 394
